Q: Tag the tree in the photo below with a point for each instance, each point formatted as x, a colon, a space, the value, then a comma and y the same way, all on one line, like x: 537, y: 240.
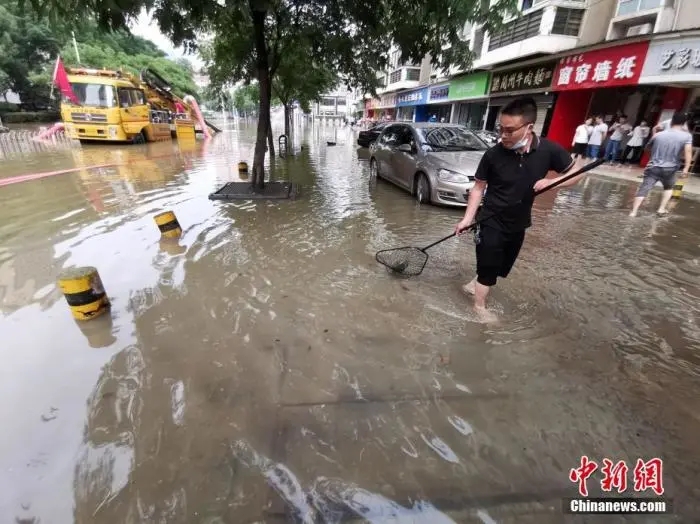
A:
x: 300, y: 79
x: 29, y: 45
x: 350, y: 37
x: 25, y: 42
x: 246, y: 98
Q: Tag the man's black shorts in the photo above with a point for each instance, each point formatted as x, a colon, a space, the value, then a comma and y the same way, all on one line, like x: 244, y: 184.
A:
x: 496, y: 252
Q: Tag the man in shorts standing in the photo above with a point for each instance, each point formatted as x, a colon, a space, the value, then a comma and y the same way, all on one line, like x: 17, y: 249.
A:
x: 512, y: 170
x: 666, y: 147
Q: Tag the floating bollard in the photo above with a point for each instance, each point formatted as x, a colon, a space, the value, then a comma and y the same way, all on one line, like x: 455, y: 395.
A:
x: 84, y: 292
x: 678, y: 188
x: 243, y: 170
x: 168, y: 225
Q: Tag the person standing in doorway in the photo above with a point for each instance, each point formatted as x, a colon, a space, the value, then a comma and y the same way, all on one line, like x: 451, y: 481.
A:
x: 633, y: 151
x: 581, y: 136
x: 598, y: 134
x: 666, y: 147
x: 619, y: 130
x: 512, y: 170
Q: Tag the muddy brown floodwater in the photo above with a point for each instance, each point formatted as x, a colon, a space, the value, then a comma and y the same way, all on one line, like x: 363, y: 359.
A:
x: 266, y: 369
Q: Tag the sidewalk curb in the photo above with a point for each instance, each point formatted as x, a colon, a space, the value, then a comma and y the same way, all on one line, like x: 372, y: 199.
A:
x: 691, y: 194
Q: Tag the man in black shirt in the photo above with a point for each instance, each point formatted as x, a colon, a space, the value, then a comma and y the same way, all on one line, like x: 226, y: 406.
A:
x: 512, y: 170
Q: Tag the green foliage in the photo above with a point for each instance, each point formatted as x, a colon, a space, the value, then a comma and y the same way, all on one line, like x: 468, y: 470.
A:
x: 25, y: 42
x: 351, y: 37
x: 246, y: 98
x: 29, y: 46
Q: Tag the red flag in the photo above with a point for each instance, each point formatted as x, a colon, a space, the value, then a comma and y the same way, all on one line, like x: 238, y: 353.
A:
x: 60, y: 79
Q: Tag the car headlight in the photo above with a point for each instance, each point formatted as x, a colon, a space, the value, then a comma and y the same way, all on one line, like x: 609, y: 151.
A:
x: 451, y: 176
x: 113, y: 131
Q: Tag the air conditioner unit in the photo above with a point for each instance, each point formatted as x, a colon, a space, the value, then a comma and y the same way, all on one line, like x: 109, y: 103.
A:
x: 642, y: 29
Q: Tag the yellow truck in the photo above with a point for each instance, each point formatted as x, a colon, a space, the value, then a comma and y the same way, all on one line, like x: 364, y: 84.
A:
x: 115, y: 106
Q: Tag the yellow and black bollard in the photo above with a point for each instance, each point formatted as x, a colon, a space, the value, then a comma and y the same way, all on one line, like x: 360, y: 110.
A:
x: 678, y: 188
x: 243, y: 170
x: 168, y: 225
x: 84, y: 292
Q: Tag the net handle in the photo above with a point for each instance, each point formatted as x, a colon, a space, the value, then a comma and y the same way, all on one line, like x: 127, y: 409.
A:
x: 587, y: 167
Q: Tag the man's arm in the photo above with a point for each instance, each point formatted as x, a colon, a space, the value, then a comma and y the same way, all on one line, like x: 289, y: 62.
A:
x: 688, y: 150
x: 475, y: 194
x: 561, y: 163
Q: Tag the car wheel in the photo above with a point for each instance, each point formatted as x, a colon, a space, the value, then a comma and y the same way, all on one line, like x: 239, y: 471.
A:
x: 373, y: 169
x: 423, y: 189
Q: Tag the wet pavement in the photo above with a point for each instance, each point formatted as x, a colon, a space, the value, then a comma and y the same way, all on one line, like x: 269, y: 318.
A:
x: 266, y: 369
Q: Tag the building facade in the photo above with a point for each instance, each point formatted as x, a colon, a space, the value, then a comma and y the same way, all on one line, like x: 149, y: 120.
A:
x: 576, y: 58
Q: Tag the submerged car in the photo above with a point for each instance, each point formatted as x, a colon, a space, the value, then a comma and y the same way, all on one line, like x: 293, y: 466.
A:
x: 434, y: 162
x: 367, y: 137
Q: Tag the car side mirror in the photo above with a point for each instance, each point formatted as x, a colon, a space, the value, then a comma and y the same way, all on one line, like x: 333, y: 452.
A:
x: 405, y: 148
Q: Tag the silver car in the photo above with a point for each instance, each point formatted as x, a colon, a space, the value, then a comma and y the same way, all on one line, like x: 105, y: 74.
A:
x: 435, y: 162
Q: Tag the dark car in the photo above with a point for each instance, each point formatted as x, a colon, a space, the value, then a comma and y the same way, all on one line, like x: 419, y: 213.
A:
x: 367, y: 137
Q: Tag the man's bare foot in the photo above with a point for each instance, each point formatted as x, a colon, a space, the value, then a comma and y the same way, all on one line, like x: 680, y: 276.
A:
x: 470, y: 288
x: 485, y: 316
x: 633, y: 214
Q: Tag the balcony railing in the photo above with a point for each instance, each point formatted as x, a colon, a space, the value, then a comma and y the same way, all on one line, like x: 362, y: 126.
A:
x: 518, y: 30
x: 628, y: 7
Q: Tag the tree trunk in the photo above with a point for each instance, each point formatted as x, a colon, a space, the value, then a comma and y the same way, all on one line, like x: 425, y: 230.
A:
x: 287, y: 117
x: 258, y: 178
x: 270, y: 141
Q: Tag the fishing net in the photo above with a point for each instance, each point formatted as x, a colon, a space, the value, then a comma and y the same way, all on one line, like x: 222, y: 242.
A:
x: 408, y: 261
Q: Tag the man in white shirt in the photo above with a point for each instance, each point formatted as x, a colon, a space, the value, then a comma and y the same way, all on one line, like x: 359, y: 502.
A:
x: 620, y: 129
x: 600, y: 131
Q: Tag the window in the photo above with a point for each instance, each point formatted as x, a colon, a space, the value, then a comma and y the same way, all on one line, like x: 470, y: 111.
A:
x: 527, y: 4
x: 137, y: 97
x: 413, y: 74
x: 394, y: 60
x: 131, y: 97
x: 390, y: 136
x: 327, y: 101
x: 567, y: 21
x: 382, y: 81
x: 518, y: 30
x: 95, y: 95
x: 341, y: 101
x: 452, y: 138
x: 395, y: 76
x: 405, y: 136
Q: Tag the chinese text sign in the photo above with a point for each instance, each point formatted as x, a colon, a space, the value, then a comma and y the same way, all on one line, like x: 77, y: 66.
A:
x: 610, y: 67
x: 533, y: 77
x: 676, y: 58
x: 412, y: 98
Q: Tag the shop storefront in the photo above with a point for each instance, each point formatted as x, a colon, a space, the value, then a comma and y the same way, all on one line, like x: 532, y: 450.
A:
x: 675, y: 64
x: 468, y: 94
x: 408, y: 104
x: 602, y: 82
x: 381, y: 109
x: 438, y: 109
x: 533, y: 80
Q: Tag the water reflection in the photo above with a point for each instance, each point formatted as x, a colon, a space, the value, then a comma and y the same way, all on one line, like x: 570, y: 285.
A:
x: 262, y: 367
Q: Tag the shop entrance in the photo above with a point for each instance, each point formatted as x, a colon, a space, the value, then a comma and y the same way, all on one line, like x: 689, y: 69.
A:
x: 638, y: 103
x: 472, y: 115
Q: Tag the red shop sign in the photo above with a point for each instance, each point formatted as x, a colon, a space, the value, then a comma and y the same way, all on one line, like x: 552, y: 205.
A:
x: 610, y: 67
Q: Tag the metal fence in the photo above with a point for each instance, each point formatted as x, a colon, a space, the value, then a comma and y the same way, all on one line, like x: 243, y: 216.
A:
x: 20, y: 143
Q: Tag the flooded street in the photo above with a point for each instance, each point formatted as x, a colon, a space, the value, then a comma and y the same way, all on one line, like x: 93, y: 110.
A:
x: 267, y: 369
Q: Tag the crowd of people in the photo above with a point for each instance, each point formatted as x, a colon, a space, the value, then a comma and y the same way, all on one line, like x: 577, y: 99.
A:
x: 620, y: 143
